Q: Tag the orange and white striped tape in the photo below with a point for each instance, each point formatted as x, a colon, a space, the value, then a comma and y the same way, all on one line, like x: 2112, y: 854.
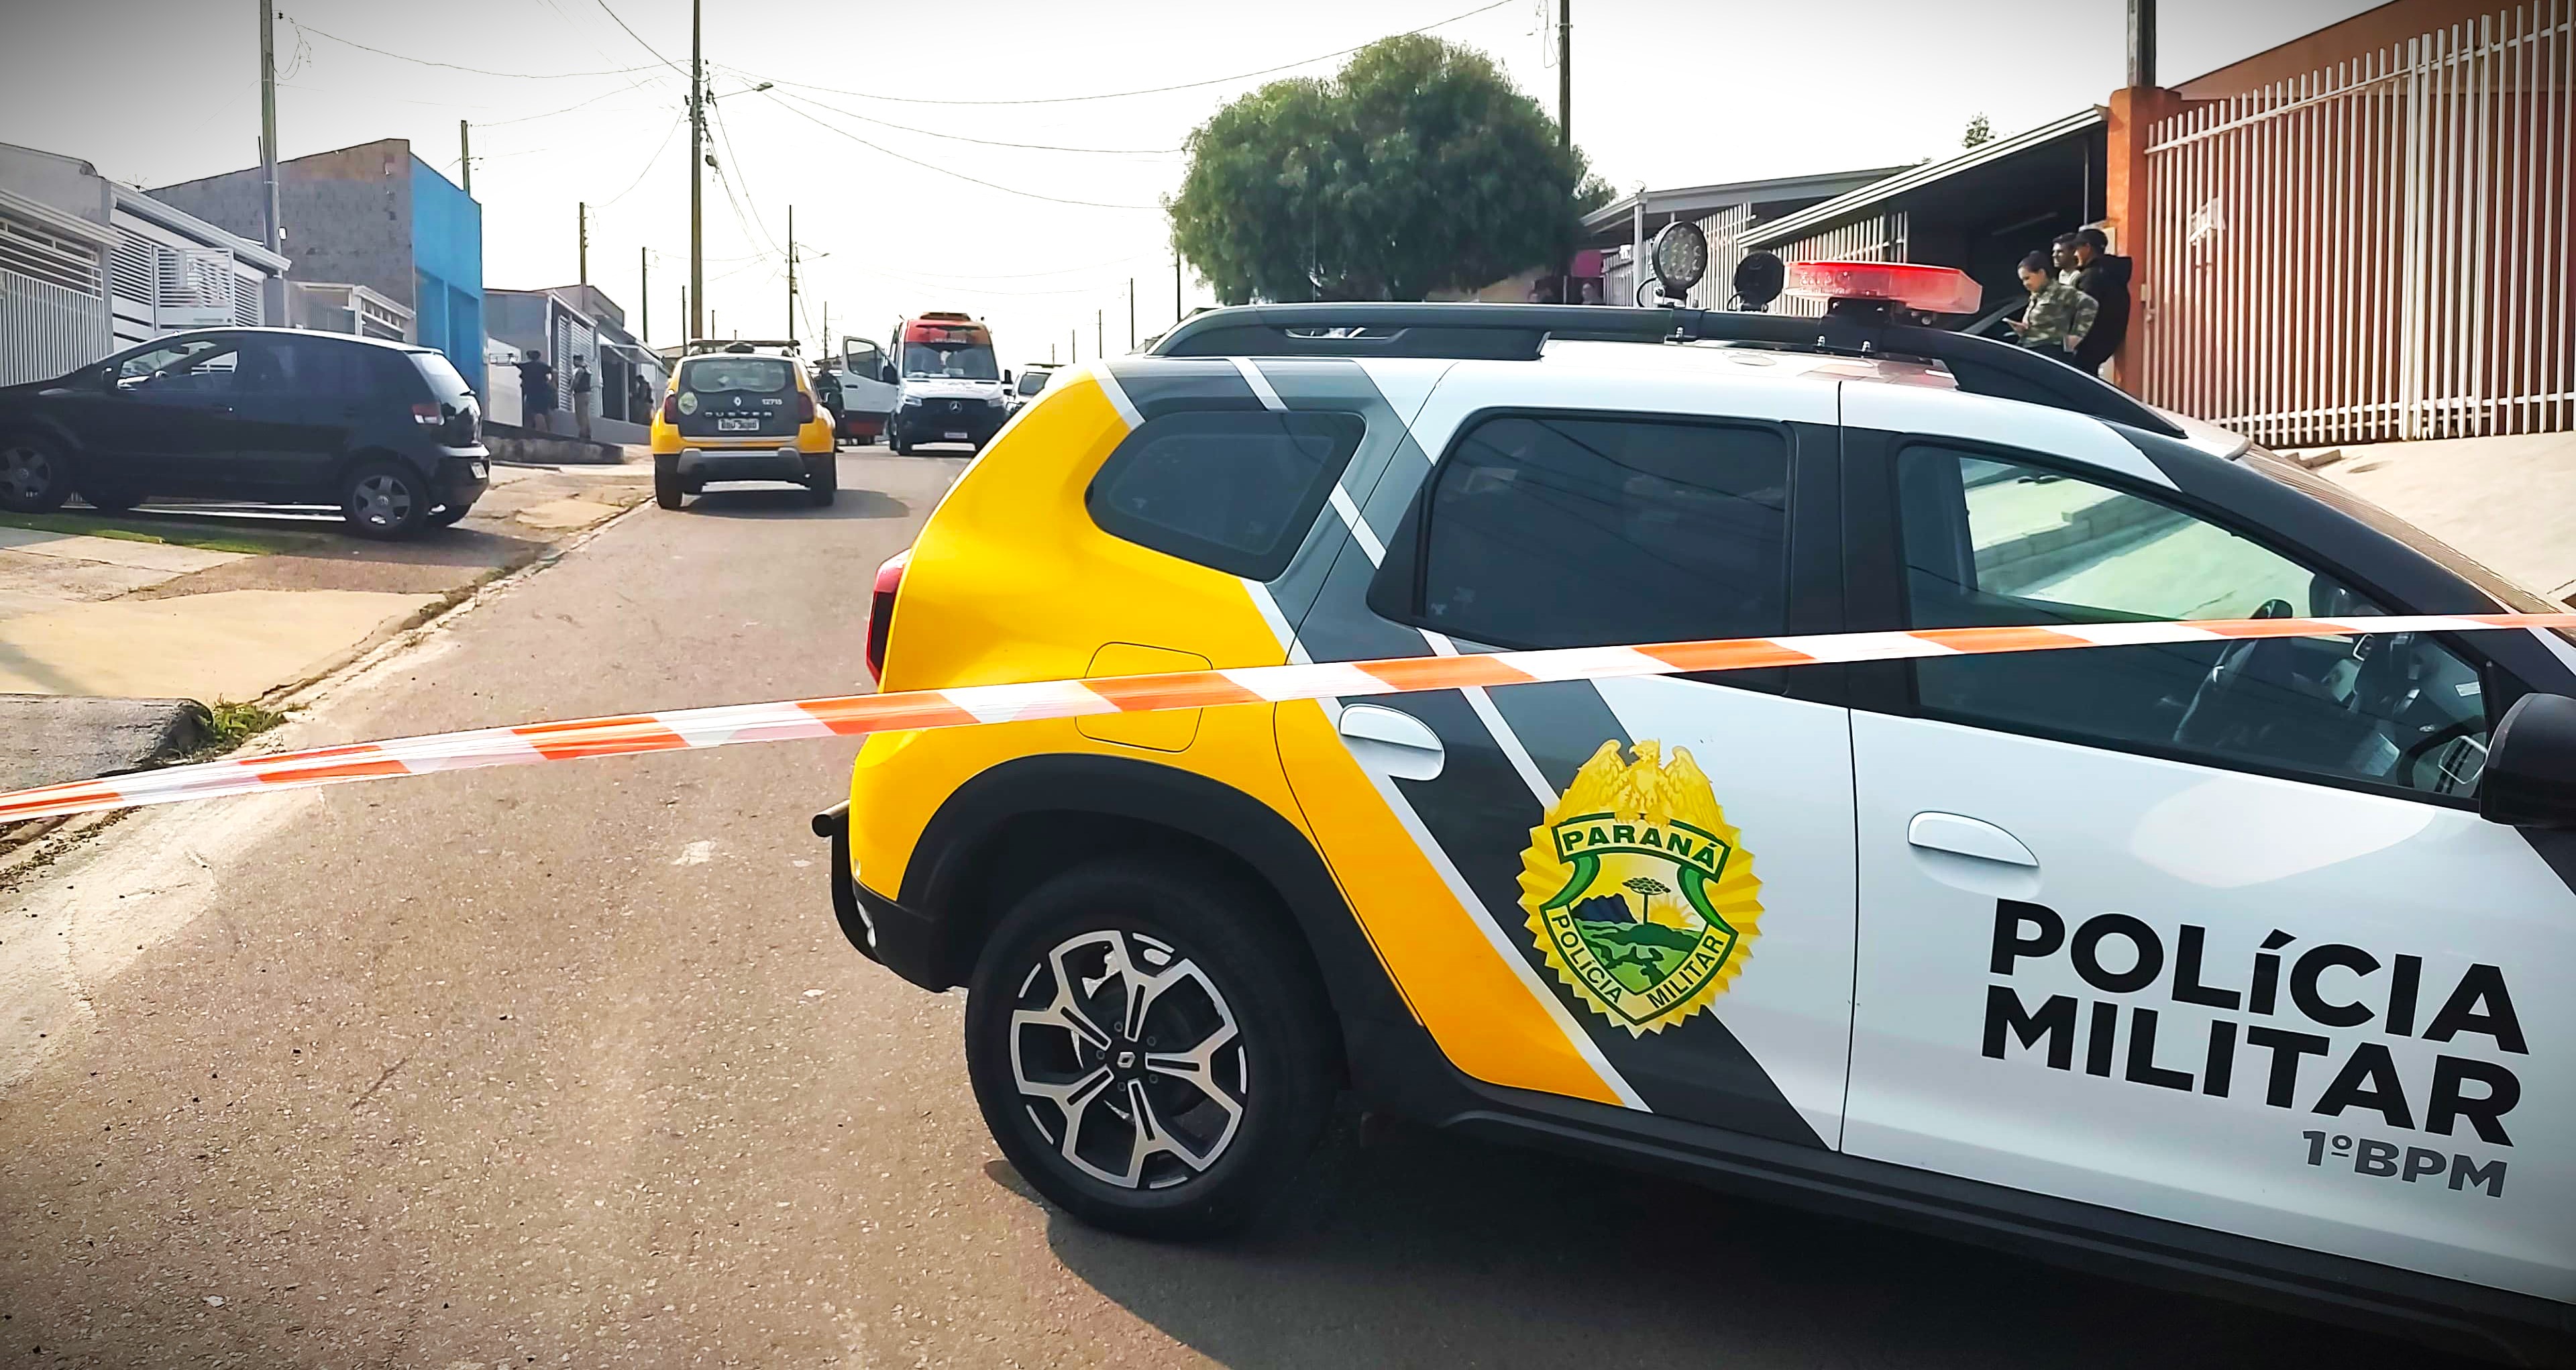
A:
x: 856, y: 715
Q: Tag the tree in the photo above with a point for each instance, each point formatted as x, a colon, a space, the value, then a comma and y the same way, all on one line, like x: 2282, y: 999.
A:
x: 1981, y: 131
x: 1417, y: 168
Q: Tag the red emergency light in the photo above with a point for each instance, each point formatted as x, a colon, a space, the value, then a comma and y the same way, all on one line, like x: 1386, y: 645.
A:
x: 1931, y: 289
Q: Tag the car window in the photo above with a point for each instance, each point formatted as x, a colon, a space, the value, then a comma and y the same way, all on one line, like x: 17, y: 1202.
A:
x: 758, y: 375
x: 441, y: 374
x: 305, y: 366
x: 1994, y: 542
x: 1231, y: 489
x: 1575, y: 532
x: 1031, y: 382
x: 198, y: 365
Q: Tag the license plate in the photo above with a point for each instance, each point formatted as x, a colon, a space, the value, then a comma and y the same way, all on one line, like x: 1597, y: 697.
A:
x: 737, y: 425
x: 957, y: 436
x: 481, y: 471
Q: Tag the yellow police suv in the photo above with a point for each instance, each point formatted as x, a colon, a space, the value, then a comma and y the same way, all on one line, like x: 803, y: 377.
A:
x: 741, y: 411
x: 2231, y: 960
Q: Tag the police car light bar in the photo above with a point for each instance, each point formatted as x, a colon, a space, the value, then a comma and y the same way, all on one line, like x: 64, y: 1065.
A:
x: 1931, y: 289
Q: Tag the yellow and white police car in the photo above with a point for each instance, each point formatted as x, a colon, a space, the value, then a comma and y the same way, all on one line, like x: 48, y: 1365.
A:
x: 2237, y: 961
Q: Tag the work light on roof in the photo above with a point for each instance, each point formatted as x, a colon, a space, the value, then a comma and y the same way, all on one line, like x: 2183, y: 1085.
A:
x: 1930, y: 289
x: 1680, y: 257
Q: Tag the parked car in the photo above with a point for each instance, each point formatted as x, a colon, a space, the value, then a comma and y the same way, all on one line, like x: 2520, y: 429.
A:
x: 737, y: 412
x: 386, y: 432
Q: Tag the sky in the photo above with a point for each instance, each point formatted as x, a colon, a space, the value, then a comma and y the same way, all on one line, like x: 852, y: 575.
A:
x: 960, y: 156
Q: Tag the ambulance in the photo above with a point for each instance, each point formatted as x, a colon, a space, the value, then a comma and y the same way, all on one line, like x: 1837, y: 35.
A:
x: 948, y: 387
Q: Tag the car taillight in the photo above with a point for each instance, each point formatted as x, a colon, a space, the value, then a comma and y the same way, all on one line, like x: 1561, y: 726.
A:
x: 881, y: 609
x: 804, y: 408
x: 671, y: 410
x: 428, y: 415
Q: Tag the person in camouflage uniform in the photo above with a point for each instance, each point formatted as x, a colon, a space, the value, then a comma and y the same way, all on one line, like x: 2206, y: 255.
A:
x: 2058, y: 316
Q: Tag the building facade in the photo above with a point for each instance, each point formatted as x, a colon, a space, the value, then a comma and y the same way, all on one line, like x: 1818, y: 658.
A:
x: 571, y: 324
x: 89, y: 265
x: 373, y: 216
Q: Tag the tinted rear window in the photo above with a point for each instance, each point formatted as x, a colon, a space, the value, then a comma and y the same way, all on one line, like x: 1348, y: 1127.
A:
x: 1231, y: 489
x: 759, y: 375
x: 444, y: 382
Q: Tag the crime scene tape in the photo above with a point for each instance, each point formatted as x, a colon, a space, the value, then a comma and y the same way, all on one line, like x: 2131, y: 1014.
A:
x: 966, y: 706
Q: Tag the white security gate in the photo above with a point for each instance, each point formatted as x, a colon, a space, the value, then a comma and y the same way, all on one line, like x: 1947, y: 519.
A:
x: 53, y: 305
x: 2380, y: 250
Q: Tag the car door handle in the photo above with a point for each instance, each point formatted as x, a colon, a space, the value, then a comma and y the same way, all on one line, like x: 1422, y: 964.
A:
x: 1971, y: 837
x: 1393, y: 741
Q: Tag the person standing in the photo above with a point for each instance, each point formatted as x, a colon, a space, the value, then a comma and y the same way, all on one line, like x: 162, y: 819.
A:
x: 581, y: 385
x: 2106, y: 279
x: 537, y: 393
x: 2058, y: 316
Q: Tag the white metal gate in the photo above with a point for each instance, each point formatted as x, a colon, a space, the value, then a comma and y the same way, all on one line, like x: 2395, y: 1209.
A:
x: 2375, y: 251
x: 53, y: 305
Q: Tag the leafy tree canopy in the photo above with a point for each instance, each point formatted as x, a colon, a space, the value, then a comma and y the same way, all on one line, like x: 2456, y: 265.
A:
x: 1418, y: 168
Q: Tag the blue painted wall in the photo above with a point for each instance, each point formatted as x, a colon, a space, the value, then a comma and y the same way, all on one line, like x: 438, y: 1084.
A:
x: 447, y: 262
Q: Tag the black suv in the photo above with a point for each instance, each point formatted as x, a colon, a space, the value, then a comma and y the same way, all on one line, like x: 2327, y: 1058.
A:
x: 388, y: 432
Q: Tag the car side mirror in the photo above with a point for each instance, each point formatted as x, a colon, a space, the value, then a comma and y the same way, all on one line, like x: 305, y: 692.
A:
x: 885, y: 373
x: 2530, y: 778
x: 1006, y: 375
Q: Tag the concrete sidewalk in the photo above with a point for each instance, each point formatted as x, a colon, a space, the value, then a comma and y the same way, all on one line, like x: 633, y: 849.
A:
x: 2508, y: 502
x: 220, y: 603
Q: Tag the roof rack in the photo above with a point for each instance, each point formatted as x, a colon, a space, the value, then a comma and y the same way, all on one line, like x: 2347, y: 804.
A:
x: 1516, y: 332
x: 703, y: 345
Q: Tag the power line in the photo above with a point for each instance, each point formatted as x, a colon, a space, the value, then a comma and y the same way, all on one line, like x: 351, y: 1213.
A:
x: 993, y: 142
x: 639, y: 39
x: 451, y: 66
x: 568, y: 109
x: 1156, y: 90
x: 667, y: 135
x: 730, y: 175
x: 945, y: 171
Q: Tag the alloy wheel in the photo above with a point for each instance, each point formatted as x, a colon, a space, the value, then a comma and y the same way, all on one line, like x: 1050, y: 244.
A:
x: 381, y: 501
x: 1128, y: 1060
x: 26, y: 472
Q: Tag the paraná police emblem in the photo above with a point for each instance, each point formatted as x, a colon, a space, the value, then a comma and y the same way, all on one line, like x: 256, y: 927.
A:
x: 1641, y: 896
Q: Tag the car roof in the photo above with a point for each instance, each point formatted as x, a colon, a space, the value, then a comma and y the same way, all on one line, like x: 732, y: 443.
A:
x: 388, y: 344
x: 1508, y: 332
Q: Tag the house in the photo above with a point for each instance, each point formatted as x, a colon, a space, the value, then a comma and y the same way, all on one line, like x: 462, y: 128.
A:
x: 1727, y: 213
x: 1980, y: 211
x: 570, y: 323
x: 89, y: 265
x: 373, y: 217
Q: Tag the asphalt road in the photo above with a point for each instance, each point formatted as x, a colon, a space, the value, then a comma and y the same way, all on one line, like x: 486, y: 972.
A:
x: 568, y: 1065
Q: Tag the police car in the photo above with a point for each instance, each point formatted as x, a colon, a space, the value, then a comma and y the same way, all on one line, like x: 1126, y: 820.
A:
x: 2245, y: 962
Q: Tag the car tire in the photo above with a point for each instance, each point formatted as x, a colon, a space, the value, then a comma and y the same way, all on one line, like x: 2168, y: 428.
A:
x: 384, y: 499
x: 822, y: 480
x: 35, y: 476
x: 112, y: 500
x: 666, y: 485
x: 1235, y: 1005
x: 895, y: 439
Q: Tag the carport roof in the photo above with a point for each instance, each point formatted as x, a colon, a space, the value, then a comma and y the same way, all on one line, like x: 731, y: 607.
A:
x: 1790, y: 227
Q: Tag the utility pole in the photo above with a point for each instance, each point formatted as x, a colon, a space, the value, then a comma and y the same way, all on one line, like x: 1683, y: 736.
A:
x: 582, y: 229
x: 1073, y: 344
x: 1131, y: 313
x: 791, y: 273
x: 1565, y: 120
x: 697, y: 167
x: 465, y: 155
x: 1565, y: 74
x: 1100, y: 332
x: 1176, y: 284
x: 273, y: 232
x: 2142, y: 42
x: 827, y: 328
x: 644, y: 289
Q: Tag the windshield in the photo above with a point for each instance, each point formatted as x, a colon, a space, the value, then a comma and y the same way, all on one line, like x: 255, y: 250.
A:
x: 2449, y: 558
x: 951, y: 361
x: 760, y: 375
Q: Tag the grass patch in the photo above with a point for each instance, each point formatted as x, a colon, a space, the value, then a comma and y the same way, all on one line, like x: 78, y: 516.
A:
x: 169, y: 534
x: 228, y: 725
